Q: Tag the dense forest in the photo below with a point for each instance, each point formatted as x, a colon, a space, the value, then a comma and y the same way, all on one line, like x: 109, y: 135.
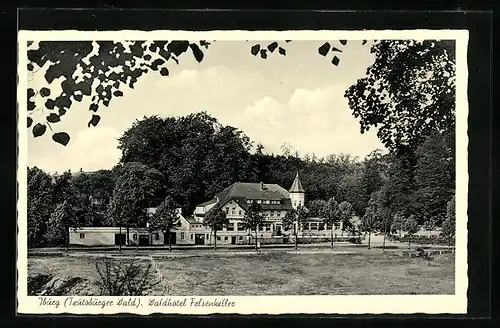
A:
x: 191, y: 158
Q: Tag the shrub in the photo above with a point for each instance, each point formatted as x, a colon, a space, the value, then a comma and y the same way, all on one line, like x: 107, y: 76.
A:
x: 129, y: 279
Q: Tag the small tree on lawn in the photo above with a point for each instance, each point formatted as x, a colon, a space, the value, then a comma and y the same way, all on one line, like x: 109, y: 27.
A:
x: 216, y: 219
x: 449, y: 224
x: 398, y: 222
x: 253, y: 219
x: 346, y: 213
x: 331, y: 215
x: 296, y: 219
x: 165, y: 219
x: 369, y: 223
x: 411, y: 227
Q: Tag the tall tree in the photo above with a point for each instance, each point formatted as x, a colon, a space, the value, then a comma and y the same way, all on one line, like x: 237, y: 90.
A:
x: 253, y: 220
x: 408, y: 93
x: 197, y: 155
x: 136, y: 184
x: 165, y: 219
x: 216, y: 219
x: 61, y: 220
x: 434, y: 177
x: 40, y: 205
x: 449, y: 225
x: 331, y: 216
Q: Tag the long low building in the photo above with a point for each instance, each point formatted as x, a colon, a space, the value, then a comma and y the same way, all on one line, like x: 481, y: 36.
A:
x: 274, y: 201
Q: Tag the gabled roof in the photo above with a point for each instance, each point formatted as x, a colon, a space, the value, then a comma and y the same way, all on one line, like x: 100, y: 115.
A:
x: 155, y: 202
x: 254, y: 191
x: 208, y: 202
x: 297, y: 185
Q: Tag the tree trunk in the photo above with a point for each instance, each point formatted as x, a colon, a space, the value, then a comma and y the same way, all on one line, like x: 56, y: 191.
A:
x: 120, y: 240
x: 128, y: 235
x: 331, y: 233
x: 256, y: 239
x: 67, y: 239
x: 215, y: 239
x: 169, y: 241
x: 409, y: 242
x: 385, y: 235
x: 369, y: 238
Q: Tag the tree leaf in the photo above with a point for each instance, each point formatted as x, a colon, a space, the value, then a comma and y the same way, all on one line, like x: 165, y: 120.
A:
x: 164, y: 71
x: 39, y: 130
x: 30, y: 121
x: 61, y: 137
x: 30, y: 67
x: 363, y: 43
x: 31, y: 105
x: 94, y: 120
x: 288, y: 41
x: 323, y: 50
x: 31, y: 93
x: 343, y: 42
x: 53, y: 118
x: 50, y: 104
x: 272, y: 46
x: 336, y: 49
x: 118, y: 93
x: 263, y: 53
x: 94, y: 107
x: 255, y: 49
x: 178, y: 47
x: 78, y: 97
x: 156, y: 63
x: 147, y: 57
x: 282, y: 51
x: 198, y: 54
x: 62, y: 111
x: 45, y: 92
x: 335, y: 61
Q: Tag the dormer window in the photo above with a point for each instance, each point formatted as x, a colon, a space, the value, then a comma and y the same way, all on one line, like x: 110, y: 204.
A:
x: 259, y: 201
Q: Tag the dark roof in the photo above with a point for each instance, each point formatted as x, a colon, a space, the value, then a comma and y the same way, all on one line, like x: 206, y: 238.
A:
x: 155, y: 202
x: 208, y: 202
x: 191, y: 220
x: 254, y: 191
x: 297, y: 185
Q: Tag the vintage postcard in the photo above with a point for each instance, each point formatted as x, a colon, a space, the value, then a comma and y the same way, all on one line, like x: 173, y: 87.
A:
x: 242, y: 172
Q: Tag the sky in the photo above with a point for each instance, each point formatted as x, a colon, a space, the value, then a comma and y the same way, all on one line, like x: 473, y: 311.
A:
x: 296, y: 99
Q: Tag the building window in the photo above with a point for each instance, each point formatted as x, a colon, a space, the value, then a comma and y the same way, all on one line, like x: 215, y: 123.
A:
x: 328, y: 226
x: 268, y: 226
x: 272, y: 213
x: 259, y: 201
x: 321, y: 226
x: 233, y: 211
x: 314, y: 226
x: 182, y: 235
x: 261, y: 228
x: 226, y: 238
x: 208, y: 236
x: 218, y: 237
x: 249, y: 201
x: 240, y: 212
x: 227, y: 210
x: 240, y: 237
x: 219, y: 228
x: 230, y: 227
x: 82, y: 236
x: 337, y: 225
x: 134, y: 236
x: 268, y: 202
x: 192, y: 236
x: 240, y: 226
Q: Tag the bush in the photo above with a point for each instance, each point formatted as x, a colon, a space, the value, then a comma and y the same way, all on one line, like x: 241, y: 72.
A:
x: 129, y: 279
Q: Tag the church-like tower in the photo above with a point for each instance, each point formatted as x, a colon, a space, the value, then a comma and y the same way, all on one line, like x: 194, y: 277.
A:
x: 297, y: 193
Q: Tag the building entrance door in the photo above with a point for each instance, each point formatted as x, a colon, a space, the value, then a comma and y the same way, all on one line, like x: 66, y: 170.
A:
x: 119, y: 238
x: 199, y: 239
x: 143, y: 240
x: 233, y: 240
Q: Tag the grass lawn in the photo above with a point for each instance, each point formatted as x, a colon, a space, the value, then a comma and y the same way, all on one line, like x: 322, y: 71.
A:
x: 282, y: 273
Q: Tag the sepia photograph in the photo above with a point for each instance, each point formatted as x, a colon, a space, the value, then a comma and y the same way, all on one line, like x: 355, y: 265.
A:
x: 196, y: 170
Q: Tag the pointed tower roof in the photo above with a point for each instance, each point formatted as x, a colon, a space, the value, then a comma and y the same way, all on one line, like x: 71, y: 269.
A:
x: 296, y: 185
